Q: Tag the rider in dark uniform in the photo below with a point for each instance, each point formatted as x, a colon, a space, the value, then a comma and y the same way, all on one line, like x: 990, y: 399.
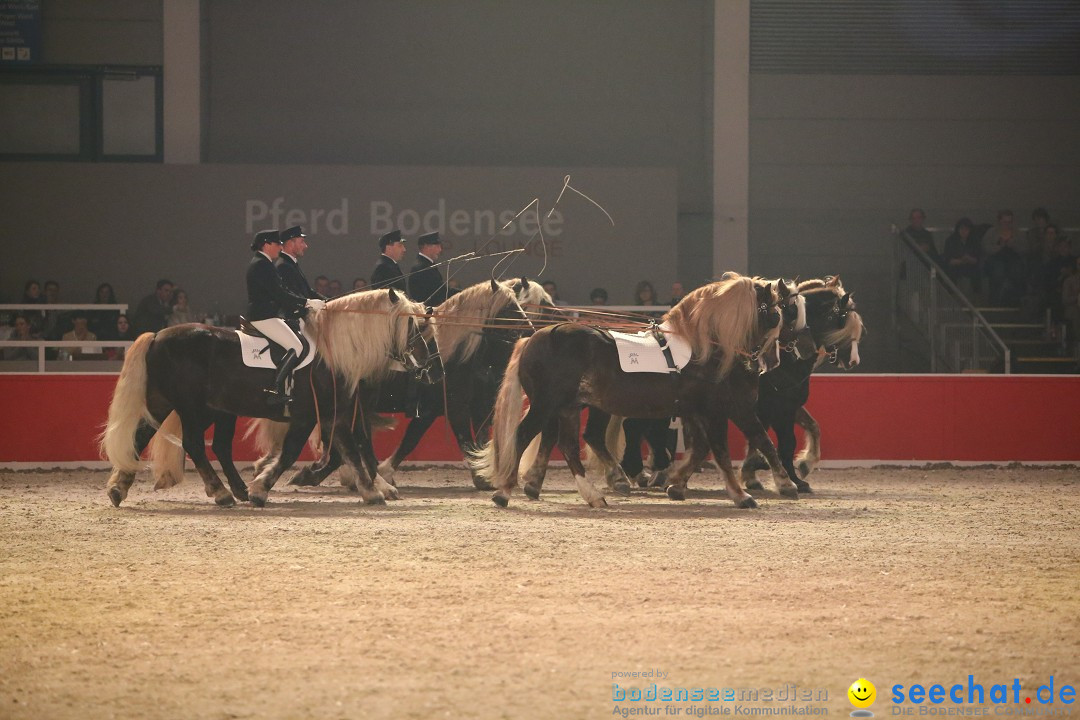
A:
x: 268, y: 301
x: 293, y: 246
x: 387, y: 273
x: 426, y: 282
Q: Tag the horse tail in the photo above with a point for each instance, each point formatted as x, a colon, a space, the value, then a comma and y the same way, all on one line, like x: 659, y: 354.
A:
x: 166, y: 452
x: 528, y: 458
x: 497, y: 460
x: 128, y: 409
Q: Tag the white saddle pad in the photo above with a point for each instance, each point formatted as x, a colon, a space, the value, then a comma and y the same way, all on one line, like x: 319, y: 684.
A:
x: 256, y: 350
x: 641, y: 353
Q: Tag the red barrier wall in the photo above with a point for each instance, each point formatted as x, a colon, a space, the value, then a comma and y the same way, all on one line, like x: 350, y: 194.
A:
x: 56, y: 418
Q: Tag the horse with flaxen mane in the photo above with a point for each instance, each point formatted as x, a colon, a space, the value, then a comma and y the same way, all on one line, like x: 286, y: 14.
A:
x: 475, y: 331
x: 833, y: 332
x: 565, y: 367
x: 197, y: 372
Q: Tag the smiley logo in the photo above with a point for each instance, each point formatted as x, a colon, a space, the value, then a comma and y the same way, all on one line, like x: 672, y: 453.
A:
x: 862, y: 693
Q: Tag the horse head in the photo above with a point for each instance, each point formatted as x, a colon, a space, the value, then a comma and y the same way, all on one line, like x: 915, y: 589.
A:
x: 833, y: 326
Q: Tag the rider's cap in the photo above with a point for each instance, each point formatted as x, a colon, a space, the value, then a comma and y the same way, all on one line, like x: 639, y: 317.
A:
x: 394, y: 236
x: 429, y: 239
x: 265, y: 236
x: 290, y: 233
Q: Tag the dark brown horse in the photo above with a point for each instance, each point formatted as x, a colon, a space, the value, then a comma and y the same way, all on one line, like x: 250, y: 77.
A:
x: 197, y: 371
x: 566, y: 367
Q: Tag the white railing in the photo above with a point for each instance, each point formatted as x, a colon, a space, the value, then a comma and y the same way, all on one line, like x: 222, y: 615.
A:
x: 87, y: 362
x: 47, y: 307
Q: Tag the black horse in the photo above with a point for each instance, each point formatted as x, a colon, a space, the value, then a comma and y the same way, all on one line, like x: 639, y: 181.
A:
x: 475, y: 331
x: 197, y: 372
x: 833, y: 330
x: 566, y: 367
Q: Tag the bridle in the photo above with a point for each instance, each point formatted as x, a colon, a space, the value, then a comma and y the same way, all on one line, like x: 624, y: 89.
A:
x: 406, y: 356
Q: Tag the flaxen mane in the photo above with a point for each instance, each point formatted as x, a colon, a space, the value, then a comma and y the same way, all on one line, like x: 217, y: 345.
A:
x: 357, y: 331
x: 458, y: 321
x: 721, y: 316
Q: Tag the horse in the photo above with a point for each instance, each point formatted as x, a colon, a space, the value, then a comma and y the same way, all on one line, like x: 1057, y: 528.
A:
x: 565, y: 367
x: 197, y: 371
x: 475, y: 331
x: 834, y: 328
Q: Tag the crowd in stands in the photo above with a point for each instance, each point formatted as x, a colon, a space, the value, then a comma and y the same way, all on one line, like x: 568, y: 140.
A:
x: 1001, y: 266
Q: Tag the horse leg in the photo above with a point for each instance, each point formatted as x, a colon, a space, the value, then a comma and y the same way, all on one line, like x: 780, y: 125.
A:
x: 414, y: 431
x: 224, y: 432
x: 754, y: 461
x: 458, y: 415
x: 750, y: 426
x: 631, y: 463
x: 570, y: 445
x: 350, y: 451
x: 195, y: 425
x: 697, y: 448
x: 119, y: 481
x: 365, y: 442
x: 785, y: 448
x: 656, y: 434
x: 533, y: 481
x: 291, y: 447
x: 811, y: 454
x: 717, y: 432
x: 538, y: 416
x: 596, y: 436
x: 314, y: 474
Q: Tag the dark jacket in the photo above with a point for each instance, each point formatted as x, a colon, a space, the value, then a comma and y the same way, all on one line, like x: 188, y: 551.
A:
x: 267, y: 295
x: 293, y: 278
x: 388, y: 274
x: 150, y: 315
x: 426, y: 283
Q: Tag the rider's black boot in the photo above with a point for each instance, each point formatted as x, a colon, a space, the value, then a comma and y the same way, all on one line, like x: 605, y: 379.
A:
x: 276, y: 395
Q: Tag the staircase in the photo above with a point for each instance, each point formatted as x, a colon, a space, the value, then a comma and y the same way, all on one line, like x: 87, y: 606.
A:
x: 1031, y: 344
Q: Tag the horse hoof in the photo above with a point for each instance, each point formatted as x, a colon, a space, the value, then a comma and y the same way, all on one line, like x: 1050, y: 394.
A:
x: 804, y: 487
x: 482, y: 484
x: 754, y: 484
x: 804, y: 468
x: 116, y: 496
x: 531, y: 491
x: 600, y: 502
x: 642, y: 479
x: 500, y: 500
x: 225, y: 500
x: 376, y: 499
x: 674, y: 492
x: 659, y: 480
x: 304, y: 478
x: 258, y: 500
x: 748, y: 504
x: 622, y: 488
x: 241, y: 493
x: 790, y: 491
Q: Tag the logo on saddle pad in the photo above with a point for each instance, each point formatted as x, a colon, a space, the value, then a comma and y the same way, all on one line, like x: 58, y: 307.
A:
x: 641, y: 352
x: 256, y: 350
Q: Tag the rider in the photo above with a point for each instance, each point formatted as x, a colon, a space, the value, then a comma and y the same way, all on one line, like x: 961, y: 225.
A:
x: 268, y: 301
x: 293, y: 246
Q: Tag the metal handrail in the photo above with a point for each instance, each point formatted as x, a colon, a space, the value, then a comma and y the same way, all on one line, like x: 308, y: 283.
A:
x: 938, y: 278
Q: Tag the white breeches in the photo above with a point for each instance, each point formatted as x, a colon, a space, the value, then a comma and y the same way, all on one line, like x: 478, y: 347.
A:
x: 282, y: 334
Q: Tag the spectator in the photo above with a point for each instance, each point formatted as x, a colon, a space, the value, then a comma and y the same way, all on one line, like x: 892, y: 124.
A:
x: 322, y: 285
x: 56, y: 322
x: 645, y: 294
x: 1056, y: 270
x: 80, y: 332
x: 181, y: 313
x: 1037, y: 249
x: 21, y: 331
x: 359, y: 284
x: 677, y: 293
x: 32, y: 296
x: 920, y: 235
x: 335, y: 289
x: 598, y: 296
x: 154, y: 309
x: 1003, y: 266
x: 553, y: 291
x: 1070, y: 302
x: 103, y: 322
x: 122, y: 332
x: 961, y: 257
